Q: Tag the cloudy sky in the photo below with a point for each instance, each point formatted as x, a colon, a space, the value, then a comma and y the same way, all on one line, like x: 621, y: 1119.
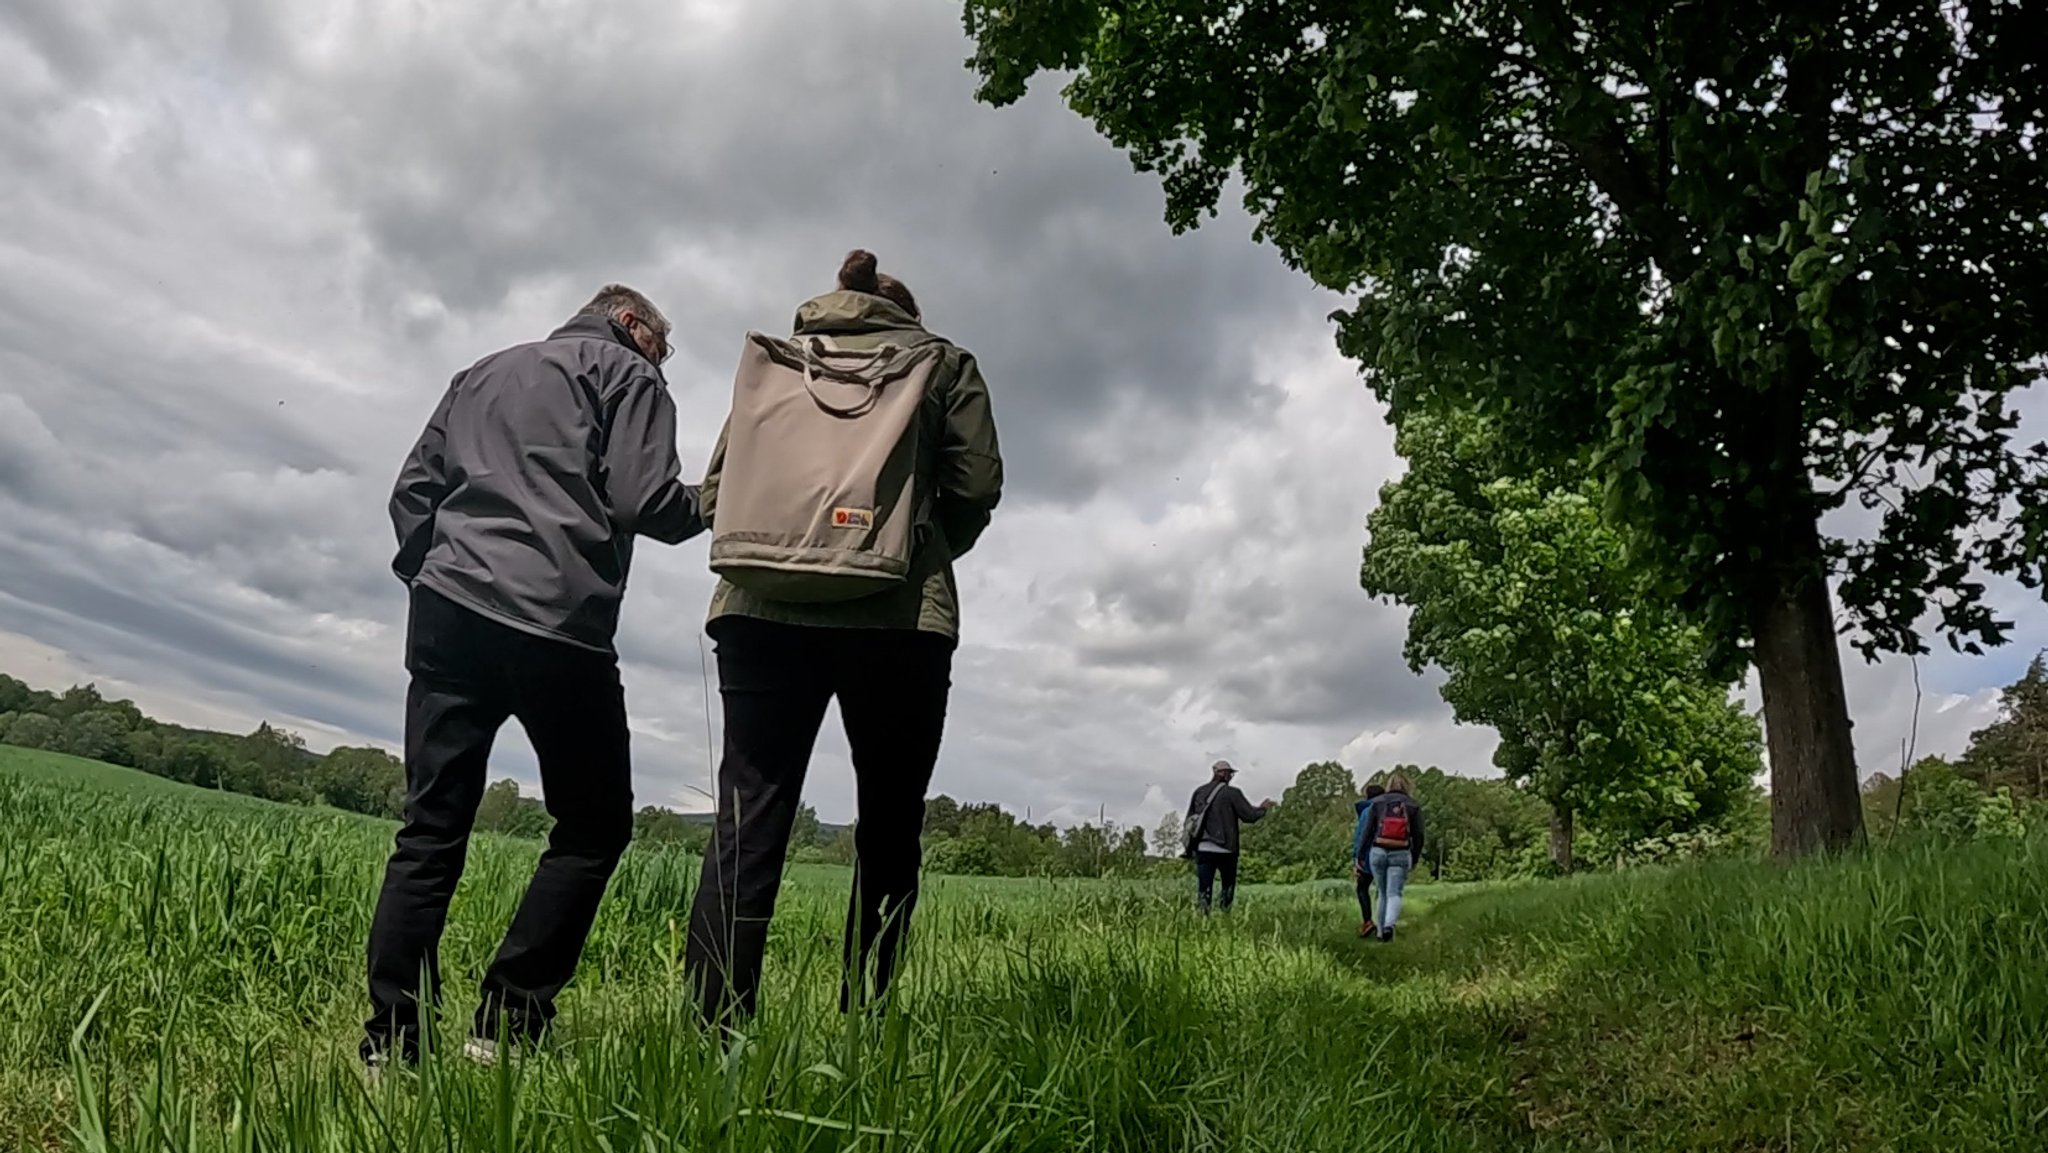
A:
x: 244, y: 244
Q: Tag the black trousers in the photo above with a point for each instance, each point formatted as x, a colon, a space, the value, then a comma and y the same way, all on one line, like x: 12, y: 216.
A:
x: 1208, y: 867
x: 469, y: 674
x: 775, y: 681
x: 1364, y: 882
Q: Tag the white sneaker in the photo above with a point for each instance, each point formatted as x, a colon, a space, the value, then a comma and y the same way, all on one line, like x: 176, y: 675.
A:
x: 377, y: 1065
x: 481, y: 1050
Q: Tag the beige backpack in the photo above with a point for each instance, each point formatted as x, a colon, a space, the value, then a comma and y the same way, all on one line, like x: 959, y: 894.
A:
x: 820, y: 499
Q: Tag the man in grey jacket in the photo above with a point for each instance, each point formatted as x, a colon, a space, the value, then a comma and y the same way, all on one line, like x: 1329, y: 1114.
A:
x: 515, y: 515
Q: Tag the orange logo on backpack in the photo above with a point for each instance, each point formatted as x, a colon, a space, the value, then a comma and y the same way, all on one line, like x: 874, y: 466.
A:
x: 853, y: 518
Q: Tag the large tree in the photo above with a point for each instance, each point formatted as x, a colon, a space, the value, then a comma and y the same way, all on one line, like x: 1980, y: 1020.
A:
x: 1762, y: 258
x: 1602, y: 693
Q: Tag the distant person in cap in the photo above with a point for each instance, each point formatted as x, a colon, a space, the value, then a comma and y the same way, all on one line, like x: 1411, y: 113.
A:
x: 1213, y: 816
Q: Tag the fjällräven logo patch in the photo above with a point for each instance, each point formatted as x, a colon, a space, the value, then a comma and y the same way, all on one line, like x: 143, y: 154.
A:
x: 853, y: 518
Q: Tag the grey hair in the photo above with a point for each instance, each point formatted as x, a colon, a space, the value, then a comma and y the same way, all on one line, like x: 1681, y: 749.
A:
x: 614, y: 299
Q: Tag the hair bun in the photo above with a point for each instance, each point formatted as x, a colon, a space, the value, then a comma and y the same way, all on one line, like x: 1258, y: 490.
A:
x: 858, y: 273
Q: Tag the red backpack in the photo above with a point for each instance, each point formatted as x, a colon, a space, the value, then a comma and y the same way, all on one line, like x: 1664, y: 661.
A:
x: 1393, y: 830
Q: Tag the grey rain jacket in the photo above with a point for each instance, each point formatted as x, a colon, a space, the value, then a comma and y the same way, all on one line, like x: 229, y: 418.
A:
x: 541, y: 463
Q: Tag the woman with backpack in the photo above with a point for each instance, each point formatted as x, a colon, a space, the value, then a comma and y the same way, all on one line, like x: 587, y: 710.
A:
x: 1392, y: 839
x: 1361, y: 876
x: 859, y: 462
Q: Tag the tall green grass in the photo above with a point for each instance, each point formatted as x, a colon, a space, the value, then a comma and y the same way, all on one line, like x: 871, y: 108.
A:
x: 183, y: 971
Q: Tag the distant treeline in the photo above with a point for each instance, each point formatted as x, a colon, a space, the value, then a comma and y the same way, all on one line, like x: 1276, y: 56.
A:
x: 270, y: 763
x: 1479, y: 828
x: 274, y: 764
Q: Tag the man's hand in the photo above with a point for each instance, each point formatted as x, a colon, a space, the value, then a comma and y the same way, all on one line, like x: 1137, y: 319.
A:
x: 1268, y: 803
x: 1357, y: 870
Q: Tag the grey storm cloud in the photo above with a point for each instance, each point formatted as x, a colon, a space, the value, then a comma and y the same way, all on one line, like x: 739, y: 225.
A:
x: 244, y: 244
x: 569, y: 146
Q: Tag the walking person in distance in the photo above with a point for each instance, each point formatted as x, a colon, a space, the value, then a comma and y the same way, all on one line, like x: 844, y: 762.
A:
x: 1361, y: 875
x: 1214, y: 814
x: 515, y: 515
x: 859, y: 462
x: 1393, y: 842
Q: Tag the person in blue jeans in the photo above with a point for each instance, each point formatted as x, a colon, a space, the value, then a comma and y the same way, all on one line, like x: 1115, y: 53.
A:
x: 1389, y: 842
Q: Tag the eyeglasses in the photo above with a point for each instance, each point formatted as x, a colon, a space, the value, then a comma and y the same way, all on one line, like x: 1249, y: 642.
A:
x: 661, y: 338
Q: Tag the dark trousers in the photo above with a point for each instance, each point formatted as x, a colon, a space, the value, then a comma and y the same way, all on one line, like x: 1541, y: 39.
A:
x: 775, y: 681
x: 469, y: 674
x: 1364, y: 881
x: 1208, y: 866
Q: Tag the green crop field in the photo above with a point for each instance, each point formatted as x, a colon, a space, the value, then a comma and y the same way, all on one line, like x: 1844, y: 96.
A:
x: 181, y: 970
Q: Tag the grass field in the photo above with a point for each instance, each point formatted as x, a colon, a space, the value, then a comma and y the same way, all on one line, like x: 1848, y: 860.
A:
x: 182, y: 971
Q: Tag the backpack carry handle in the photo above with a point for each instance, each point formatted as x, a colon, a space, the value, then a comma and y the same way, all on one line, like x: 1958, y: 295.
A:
x: 816, y: 362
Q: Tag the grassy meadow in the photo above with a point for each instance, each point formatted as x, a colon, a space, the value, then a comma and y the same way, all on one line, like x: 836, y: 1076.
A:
x: 181, y: 970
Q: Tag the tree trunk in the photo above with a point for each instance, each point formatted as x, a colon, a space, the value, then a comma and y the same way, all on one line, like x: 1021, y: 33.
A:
x: 1814, y: 803
x: 1561, y: 837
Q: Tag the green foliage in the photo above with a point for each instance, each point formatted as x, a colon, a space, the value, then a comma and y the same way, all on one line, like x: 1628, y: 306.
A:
x: 655, y: 825
x: 985, y: 840
x: 17, y: 697
x: 804, y: 834
x: 33, y: 731
x: 1761, y: 258
x: 361, y: 780
x: 962, y: 856
x: 1166, y: 836
x: 271, y: 763
x: 75, y: 700
x: 2012, y: 752
x: 193, y: 973
x: 1992, y: 792
x: 274, y: 764
x: 1938, y: 799
x: 198, y: 763
x: 1758, y: 261
x: 1479, y: 829
x: 505, y: 810
x: 1308, y: 834
x: 1602, y: 692
x: 98, y: 734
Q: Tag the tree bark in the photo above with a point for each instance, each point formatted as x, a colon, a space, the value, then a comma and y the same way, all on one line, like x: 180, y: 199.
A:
x: 1814, y: 802
x: 1561, y: 837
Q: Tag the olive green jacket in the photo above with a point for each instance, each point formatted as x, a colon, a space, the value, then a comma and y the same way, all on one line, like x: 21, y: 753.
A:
x: 966, y: 480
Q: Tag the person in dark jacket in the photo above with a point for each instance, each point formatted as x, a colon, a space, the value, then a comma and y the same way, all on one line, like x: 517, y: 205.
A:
x: 515, y: 516
x: 887, y: 658
x: 1361, y: 875
x: 1389, y: 843
x: 1220, y: 807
